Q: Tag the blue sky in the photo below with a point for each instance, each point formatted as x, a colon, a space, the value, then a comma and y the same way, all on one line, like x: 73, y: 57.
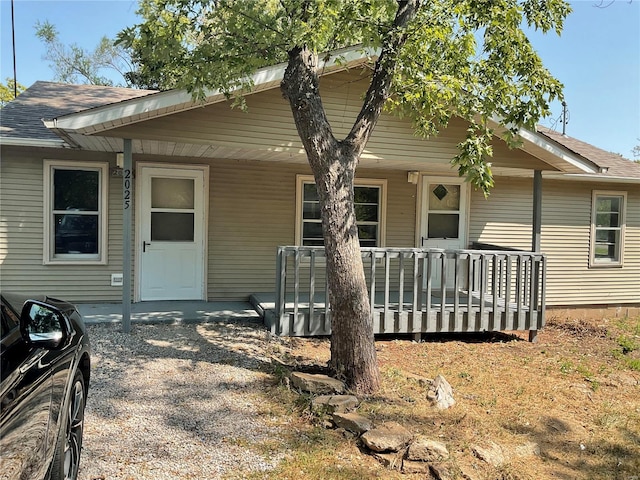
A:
x: 597, y: 58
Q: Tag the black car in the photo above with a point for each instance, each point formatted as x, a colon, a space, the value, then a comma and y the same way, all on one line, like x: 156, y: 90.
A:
x: 45, y: 368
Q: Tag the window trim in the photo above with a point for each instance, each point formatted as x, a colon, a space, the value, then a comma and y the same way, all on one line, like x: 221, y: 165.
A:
x: 593, y: 262
x: 359, y: 182
x: 48, y: 243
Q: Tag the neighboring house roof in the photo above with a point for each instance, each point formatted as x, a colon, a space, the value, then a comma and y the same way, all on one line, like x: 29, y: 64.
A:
x: 611, y: 164
x: 21, y: 120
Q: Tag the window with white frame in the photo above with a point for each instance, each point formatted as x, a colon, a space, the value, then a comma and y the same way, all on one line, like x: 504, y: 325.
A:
x: 369, y: 203
x: 607, y: 228
x: 75, y: 212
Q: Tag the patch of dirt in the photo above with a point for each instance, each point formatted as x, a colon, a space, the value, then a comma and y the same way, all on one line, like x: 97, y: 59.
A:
x: 580, y: 328
x: 567, y: 406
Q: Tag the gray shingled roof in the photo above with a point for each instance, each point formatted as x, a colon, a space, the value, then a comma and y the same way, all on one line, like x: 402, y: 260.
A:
x: 22, y: 117
x: 615, y: 165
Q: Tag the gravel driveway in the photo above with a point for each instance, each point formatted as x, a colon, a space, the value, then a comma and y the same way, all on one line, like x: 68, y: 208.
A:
x: 176, y: 401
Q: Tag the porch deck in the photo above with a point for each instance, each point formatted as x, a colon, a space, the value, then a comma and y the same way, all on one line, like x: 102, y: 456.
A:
x: 441, y: 291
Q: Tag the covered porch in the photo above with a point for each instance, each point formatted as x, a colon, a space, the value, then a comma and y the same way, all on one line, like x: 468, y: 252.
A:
x: 414, y: 291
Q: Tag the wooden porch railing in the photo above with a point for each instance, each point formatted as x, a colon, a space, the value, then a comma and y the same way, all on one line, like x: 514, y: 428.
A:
x: 416, y: 290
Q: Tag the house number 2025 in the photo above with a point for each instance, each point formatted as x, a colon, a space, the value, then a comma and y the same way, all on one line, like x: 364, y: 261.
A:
x: 126, y: 182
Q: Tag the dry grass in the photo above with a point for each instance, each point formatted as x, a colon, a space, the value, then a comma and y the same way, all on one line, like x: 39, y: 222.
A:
x: 575, y: 394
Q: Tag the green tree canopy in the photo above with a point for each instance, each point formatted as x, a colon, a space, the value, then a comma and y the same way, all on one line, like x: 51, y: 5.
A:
x: 76, y: 64
x: 8, y: 92
x: 433, y: 60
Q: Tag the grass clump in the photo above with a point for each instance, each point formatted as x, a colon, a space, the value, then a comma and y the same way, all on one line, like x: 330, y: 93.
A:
x: 628, y: 344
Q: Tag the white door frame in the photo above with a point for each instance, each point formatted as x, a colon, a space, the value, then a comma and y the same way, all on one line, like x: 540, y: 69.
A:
x: 463, y: 226
x: 138, y: 224
x: 421, y: 205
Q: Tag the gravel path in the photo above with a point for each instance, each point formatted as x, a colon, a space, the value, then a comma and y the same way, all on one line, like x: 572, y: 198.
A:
x: 176, y: 401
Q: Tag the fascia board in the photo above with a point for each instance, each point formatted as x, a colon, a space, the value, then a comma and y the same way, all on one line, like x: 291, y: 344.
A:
x: 103, y: 118
x: 570, y: 177
x: 164, y: 103
x: 539, y: 141
x: 31, y: 142
x: 574, y: 160
x: 591, y: 178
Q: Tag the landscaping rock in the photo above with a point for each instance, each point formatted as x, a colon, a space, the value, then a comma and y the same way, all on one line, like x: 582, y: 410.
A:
x: 441, y: 393
x: 318, y: 384
x: 529, y: 449
x: 468, y: 471
x: 334, y: 403
x: 492, y: 454
x: 442, y: 471
x: 352, y: 422
x: 388, y: 437
x: 390, y: 460
x: 423, y: 449
x: 409, y: 466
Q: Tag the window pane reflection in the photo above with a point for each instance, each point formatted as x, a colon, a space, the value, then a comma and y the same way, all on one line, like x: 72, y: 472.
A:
x: 76, y: 233
x: 443, y: 225
x: 444, y: 197
x: 172, y: 192
x: 172, y: 227
x: 75, y: 189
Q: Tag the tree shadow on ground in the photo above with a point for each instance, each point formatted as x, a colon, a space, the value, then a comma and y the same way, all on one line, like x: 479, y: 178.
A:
x: 162, y: 388
x: 465, y: 337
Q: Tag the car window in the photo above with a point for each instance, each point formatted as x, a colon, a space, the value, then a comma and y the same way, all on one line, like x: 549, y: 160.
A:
x: 9, y: 319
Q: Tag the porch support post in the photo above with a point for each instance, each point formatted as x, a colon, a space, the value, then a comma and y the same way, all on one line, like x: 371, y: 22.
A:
x: 536, y: 235
x: 537, y: 211
x: 127, y: 208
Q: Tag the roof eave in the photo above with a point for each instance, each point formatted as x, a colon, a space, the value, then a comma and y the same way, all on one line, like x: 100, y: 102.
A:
x: 592, y: 178
x: 164, y: 103
x: 32, y: 142
x: 576, y: 161
x: 541, y: 144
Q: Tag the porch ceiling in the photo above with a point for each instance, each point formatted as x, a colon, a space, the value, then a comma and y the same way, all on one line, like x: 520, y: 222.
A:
x: 181, y: 149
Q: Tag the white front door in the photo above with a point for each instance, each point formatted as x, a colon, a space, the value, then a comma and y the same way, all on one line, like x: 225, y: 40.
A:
x: 444, y: 217
x: 172, y: 232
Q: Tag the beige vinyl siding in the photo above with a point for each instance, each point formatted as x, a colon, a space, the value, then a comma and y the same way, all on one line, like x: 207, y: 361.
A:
x: 505, y: 219
x: 566, y: 239
x: 252, y: 212
x: 21, y: 240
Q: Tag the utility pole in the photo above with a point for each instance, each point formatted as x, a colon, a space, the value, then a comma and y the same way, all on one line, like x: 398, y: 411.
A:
x: 13, y: 37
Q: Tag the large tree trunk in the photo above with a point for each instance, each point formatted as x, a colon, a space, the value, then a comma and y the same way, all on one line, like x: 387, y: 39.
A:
x: 353, y: 353
x: 333, y: 163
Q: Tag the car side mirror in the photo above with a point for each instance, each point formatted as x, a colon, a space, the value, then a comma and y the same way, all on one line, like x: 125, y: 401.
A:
x: 43, y: 325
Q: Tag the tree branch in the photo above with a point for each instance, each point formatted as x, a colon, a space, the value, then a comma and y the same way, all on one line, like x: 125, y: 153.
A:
x: 380, y: 85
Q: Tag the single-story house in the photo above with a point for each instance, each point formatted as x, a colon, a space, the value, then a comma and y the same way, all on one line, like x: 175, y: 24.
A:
x: 214, y: 203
